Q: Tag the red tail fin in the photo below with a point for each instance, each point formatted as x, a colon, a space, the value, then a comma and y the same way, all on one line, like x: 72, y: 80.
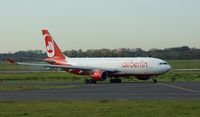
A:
x: 52, y: 49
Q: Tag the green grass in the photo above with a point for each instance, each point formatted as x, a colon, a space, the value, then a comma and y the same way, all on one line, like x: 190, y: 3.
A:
x: 184, y: 64
x: 19, y: 88
x: 180, y: 76
x: 102, y: 108
x: 5, y: 66
x: 68, y: 77
x: 41, y: 76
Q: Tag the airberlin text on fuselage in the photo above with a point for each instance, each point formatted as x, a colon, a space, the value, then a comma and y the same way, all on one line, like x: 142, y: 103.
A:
x: 134, y: 64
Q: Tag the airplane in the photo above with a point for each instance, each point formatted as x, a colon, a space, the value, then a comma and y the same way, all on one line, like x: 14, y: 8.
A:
x: 100, y: 69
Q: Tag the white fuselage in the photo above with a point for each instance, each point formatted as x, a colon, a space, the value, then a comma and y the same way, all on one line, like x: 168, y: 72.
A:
x: 126, y: 66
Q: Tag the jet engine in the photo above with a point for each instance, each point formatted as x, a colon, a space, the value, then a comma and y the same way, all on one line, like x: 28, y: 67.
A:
x: 99, y: 75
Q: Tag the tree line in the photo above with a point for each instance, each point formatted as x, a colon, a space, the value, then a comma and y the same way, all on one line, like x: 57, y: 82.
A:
x: 180, y: 53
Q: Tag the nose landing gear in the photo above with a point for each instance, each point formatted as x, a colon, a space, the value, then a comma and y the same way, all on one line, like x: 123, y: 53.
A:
x: 154, y: 78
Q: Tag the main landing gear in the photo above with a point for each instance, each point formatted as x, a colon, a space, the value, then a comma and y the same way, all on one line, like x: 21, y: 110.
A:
x: 90, y: 81
x: 115, y: 80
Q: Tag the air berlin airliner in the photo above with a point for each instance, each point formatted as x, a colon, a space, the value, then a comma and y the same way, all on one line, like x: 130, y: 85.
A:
x: 99, y: 69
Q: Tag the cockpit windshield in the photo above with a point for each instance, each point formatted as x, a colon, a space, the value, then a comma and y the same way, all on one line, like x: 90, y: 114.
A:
x: 163, y: 63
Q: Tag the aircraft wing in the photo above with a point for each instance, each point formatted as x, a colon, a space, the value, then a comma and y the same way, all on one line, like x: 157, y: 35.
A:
x: 64, y: 67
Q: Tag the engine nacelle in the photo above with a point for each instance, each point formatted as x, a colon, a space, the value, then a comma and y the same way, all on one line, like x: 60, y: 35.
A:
x: 99, y: 75
x: 142, y: 77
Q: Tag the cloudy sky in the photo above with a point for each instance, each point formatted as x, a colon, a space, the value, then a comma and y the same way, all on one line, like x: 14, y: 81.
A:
x: 94, y: 24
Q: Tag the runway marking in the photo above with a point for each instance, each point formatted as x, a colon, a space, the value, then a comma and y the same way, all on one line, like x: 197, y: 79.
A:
x: 181, y: 88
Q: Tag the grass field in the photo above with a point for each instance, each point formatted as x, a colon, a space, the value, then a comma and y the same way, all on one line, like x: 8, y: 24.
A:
x: 102, y: 108
x: 5, y: 66
x: 41, y: 76
x: 184, y: 64
x: 67, y: 77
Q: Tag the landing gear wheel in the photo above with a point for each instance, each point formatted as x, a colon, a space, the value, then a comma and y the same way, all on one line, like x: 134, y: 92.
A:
x: 154, y: 78
x: 155, y: 81
x: 119, y: 80
x: 93, y: 81
x: 87, y: 81
x: 111, y: 80
x: 90, y: 81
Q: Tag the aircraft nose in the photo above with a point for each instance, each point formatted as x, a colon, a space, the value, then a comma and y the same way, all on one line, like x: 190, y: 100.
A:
x: 168, y: 68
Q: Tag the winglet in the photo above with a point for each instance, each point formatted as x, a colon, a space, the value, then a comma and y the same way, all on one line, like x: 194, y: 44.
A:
x: 11, y: 60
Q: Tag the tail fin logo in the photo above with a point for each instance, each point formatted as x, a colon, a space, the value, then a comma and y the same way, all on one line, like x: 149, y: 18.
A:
x: 52, y: 49
x: 49, y: 46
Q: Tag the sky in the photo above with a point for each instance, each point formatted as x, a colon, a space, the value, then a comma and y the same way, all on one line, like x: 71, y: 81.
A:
x: 97, y: 24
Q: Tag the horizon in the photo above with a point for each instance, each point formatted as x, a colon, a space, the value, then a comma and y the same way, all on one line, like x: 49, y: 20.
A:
x: 94, y: 24
x: 44, y: 51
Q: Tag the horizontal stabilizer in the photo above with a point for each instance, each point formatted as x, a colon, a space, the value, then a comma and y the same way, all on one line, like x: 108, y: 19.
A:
x: 11, y: 60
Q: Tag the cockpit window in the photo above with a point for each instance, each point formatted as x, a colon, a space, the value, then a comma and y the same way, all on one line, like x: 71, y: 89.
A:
x: 163, y: 63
